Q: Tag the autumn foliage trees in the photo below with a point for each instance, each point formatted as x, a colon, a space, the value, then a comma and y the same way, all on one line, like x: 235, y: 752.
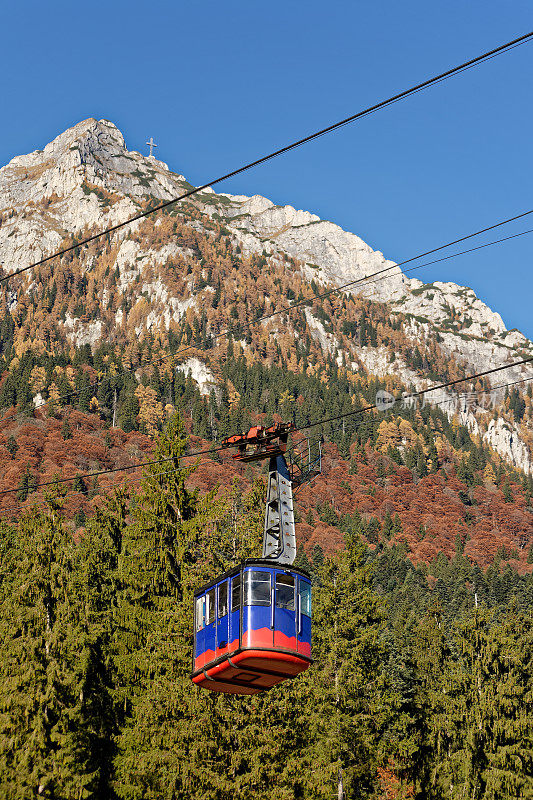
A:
x: 442, y: 485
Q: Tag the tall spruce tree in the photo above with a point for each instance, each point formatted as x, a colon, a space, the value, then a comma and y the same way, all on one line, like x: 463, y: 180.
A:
x: 492, y: 711
x: 51, y: 707
x: 347, y: 690
x: 475, y: 699
x: 509, y: 709
x: 431, y: 656
x: 154, y: 628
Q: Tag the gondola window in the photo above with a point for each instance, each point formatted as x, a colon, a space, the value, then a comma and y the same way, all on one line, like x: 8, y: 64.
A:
x: 285, y: 592
x: 236, y: 593
x: 200, y: 613
x: 210, y: 607
x: 223, y: 599
x: 305, y: 598
x: 257, y: 588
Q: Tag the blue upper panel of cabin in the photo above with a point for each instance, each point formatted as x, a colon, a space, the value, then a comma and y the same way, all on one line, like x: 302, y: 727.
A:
x: 260, y: 606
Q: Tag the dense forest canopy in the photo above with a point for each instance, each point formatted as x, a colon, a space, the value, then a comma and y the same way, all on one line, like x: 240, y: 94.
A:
x: 421, y: 685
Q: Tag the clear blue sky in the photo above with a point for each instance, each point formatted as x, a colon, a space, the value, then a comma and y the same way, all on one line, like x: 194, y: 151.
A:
x: 220, y: 83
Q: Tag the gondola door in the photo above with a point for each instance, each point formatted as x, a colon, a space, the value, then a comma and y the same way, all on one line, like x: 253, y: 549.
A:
x: 210, y: 625
x: 284, y: 609
x: 303, y: 616
x: 258, y: 611
x: 222, y: 625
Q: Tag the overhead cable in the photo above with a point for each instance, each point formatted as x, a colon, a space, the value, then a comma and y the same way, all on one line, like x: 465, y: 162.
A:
x: 364, y: 280
x: 305, y: 427
x: 133, y: 478
x: 446, y: 401
x: 329, y: 129
x: 419, y: 393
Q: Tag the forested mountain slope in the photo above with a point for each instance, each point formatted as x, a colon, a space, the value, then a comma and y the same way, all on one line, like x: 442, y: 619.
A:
x: 219, y: 259
x: 168, y: 313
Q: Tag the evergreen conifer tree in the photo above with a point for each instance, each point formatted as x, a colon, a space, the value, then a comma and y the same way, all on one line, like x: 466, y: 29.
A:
x: 152, y: 659
x: 492, y: 711
x: 349, y: 694
x: 51, y: 664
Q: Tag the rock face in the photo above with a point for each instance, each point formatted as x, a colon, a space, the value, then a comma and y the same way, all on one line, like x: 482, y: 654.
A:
x: 86, y: 179
x: 91, y: 154
x: 468, y: 328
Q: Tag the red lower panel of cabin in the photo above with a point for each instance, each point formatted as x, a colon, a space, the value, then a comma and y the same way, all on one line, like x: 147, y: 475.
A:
x: 210, y: 655
x: 261, y: 638
x: 251, y: 671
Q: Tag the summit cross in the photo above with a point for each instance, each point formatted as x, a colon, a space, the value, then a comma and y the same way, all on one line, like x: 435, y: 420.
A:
x: 152, y: 144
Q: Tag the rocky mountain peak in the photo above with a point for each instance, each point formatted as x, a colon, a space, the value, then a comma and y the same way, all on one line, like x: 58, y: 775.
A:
x: 84, y: 178
x: 30, y: 177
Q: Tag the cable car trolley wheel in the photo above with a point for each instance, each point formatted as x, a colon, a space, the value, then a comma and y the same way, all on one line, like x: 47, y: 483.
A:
x: 252, y: 628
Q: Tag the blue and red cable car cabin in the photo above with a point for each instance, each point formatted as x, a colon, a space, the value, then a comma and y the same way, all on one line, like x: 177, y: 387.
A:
x: 252, y: 628
x: 252, y: 625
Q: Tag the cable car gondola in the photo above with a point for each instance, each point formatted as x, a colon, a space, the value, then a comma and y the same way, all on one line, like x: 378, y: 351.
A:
x: 252, y: 625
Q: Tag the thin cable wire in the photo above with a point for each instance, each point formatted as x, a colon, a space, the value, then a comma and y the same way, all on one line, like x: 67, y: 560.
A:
x: 366, y: 279
x: 357, y: 425
x: 96, y: 474
x: 136, y: 478
x: 308, y: 426
x: 453, y: 255
x: 446, y: 401
x: 421, y: 392
x: 132, y: 479
x: 329, y: 129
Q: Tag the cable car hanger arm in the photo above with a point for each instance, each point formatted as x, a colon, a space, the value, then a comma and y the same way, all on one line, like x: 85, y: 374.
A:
x: 258, y: 444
